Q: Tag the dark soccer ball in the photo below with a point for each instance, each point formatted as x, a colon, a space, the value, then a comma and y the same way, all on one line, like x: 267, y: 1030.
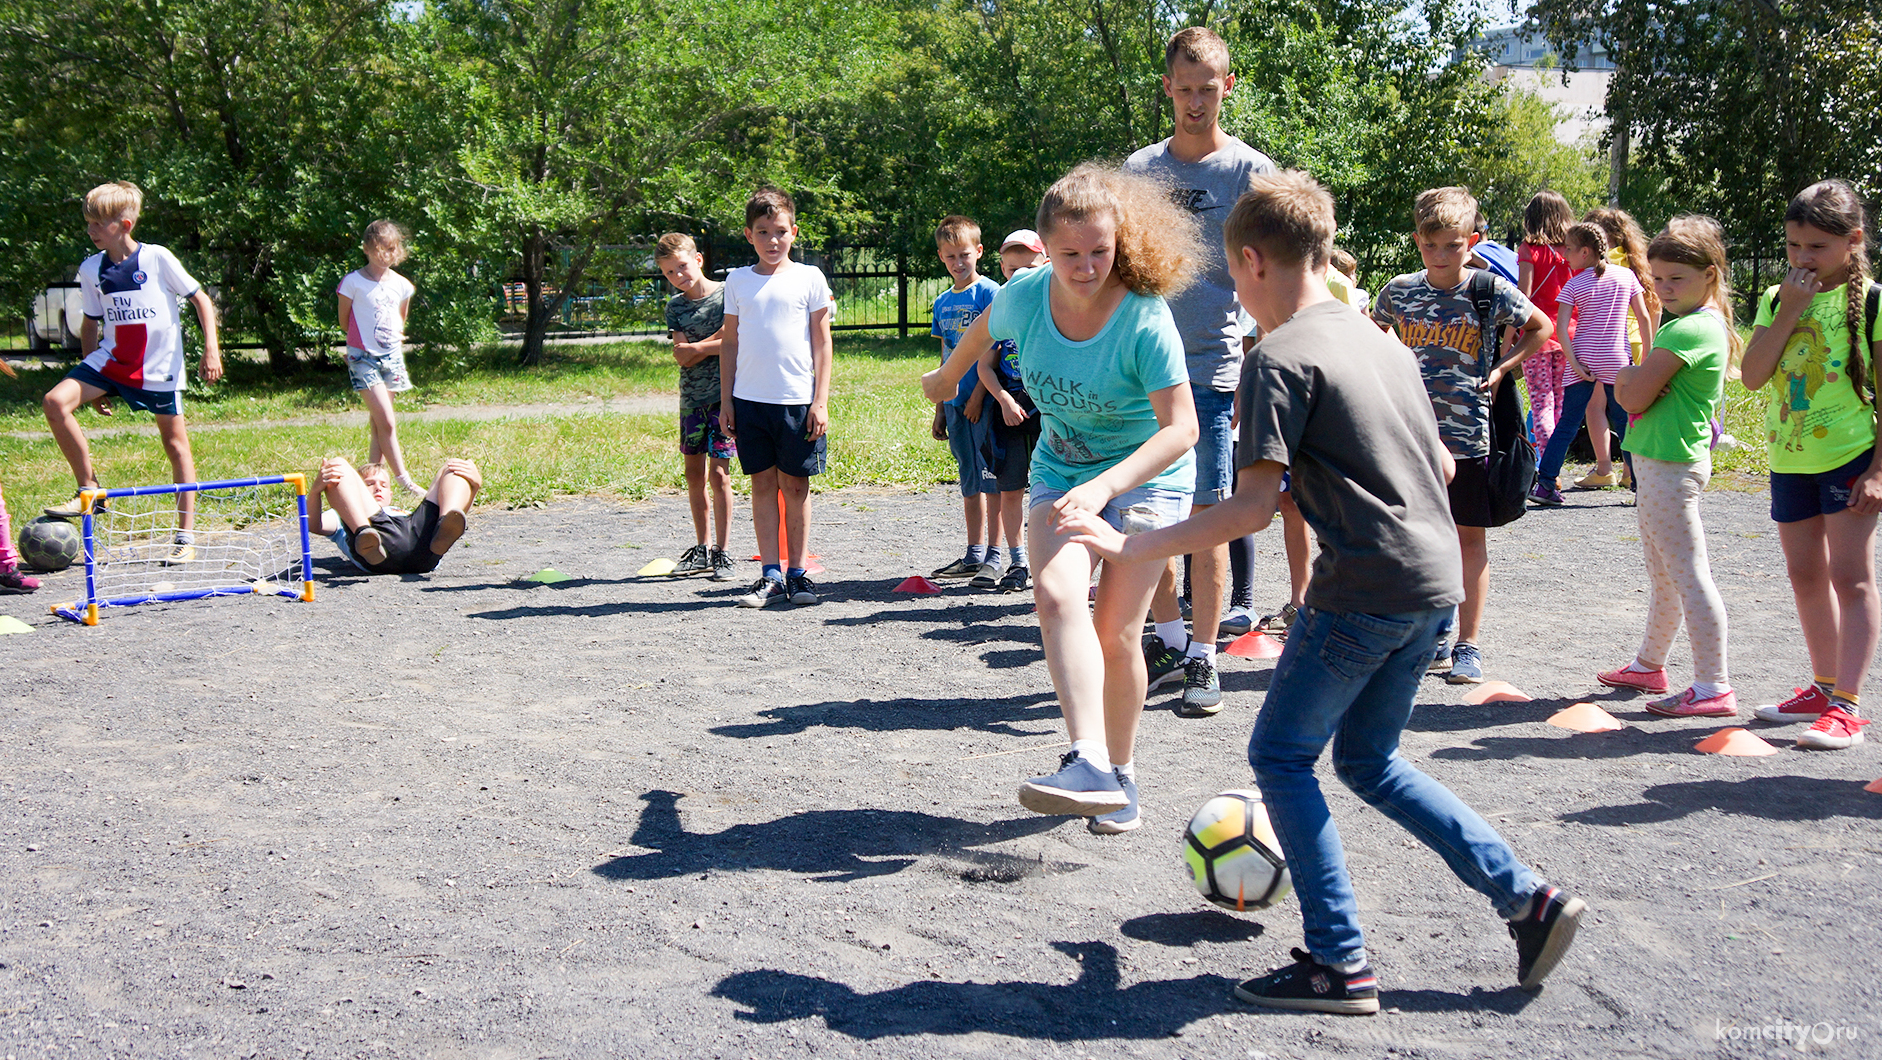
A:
x: 50, y: 543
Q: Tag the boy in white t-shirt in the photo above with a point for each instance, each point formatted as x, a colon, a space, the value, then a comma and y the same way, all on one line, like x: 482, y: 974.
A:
x: 132, y: 289
x: 374, y: 302
x: 774, y: 380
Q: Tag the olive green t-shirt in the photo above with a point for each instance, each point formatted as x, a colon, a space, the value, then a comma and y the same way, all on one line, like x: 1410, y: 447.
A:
x: 1678, y: 425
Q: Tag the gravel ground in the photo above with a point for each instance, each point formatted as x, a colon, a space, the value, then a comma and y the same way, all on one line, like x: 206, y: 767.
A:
x: 468, y: 815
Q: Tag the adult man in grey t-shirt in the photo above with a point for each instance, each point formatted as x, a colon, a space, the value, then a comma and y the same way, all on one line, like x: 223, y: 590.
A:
x: 1207, y: 170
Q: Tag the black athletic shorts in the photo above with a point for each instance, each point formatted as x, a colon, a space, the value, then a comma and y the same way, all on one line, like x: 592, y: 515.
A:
x: 1012, y: 447
x: 773, y: 436
x: 1470, y: 492
x: 407, y: 539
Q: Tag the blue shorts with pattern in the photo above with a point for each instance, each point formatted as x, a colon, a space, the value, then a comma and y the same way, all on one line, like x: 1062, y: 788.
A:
x: 369, y: 370
x: 700, y: 434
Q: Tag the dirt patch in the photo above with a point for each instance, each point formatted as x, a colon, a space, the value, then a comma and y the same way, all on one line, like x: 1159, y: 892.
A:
x: 468, y: 815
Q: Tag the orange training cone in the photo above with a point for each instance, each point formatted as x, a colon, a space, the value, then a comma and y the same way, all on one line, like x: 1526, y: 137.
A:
x: 918, y: 585
x: 1496, y: 692
x: 1585, y: 717
x: 811, y: 566
x: 1254, y: 646
x: 1874, y: 785
x: 1735, y: 742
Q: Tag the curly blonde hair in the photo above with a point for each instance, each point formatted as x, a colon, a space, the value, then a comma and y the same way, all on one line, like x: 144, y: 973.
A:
x: 1159, y: 244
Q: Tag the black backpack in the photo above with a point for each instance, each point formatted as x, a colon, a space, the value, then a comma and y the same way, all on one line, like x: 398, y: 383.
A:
x: 1512, y: 464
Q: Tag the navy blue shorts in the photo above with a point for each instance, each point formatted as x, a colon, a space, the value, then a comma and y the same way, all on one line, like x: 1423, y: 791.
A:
x: 771, y: 436
x: 161, y: 402
x: 1796, y: 497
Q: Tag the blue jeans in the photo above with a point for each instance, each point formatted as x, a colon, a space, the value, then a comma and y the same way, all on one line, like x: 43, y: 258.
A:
x: 1575, y: 398
x: 1215, y: 444
x: 1350, y: 678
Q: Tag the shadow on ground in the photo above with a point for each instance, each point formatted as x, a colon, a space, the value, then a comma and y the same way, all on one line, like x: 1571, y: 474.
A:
x: 1769, y: 798
x: 896, y: 715
x: 829, y: 845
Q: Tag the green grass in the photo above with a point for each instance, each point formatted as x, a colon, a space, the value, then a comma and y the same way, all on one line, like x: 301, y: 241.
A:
x: 879, y: 425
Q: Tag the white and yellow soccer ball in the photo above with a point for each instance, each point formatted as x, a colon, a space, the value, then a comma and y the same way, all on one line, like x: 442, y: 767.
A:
x: 1233, y: 856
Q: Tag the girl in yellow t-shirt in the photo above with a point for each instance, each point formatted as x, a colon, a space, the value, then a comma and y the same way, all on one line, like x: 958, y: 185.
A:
x: 1816, y: 341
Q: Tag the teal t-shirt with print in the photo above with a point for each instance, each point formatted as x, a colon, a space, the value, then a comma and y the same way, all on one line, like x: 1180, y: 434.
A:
x: 1678, y: 425
x: 1093, y: 396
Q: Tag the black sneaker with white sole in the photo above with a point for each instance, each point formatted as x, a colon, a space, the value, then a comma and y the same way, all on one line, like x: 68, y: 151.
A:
x: 1543, y: 933
x: 1162, y: 663
x: 763, y: 593
x: 802, y: 591
x: 1311, y: 986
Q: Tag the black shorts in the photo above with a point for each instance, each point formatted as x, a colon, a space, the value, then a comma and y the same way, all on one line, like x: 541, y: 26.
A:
x: 1012, y: 449
x: 771, y: 436
x: 1470, y: 492
x: 407, y: 540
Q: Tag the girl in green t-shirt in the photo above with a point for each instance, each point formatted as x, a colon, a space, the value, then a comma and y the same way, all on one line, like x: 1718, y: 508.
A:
x: 1816, y: 342
x: 1672, y: 396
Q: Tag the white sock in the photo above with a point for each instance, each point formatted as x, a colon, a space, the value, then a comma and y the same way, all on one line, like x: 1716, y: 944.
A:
x: 1347, y: 967
x: 1636, y: 667
x: 1708, y: 690
x: 1199, y: 650
x: 1127, y: 769
x: 1093, y: 751
x: 1172, y: 634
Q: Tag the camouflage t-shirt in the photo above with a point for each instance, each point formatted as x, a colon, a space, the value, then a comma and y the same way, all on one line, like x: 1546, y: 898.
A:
x: 699, y: 383
x: 1443, y: 331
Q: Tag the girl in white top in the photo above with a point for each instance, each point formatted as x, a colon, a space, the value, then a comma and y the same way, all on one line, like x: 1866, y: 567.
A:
x: 374, y: 303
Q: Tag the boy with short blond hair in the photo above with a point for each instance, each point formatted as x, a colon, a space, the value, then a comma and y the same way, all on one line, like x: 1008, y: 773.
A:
x: 774, y: 387
x: 133, y: 343
x: 1339, y: 408
x: 1015, y: 426
x: 1451, y: 317
x: 695, y: 317
x: 961, y: 420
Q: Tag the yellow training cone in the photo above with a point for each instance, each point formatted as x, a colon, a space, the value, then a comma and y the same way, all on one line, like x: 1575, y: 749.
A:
x: 1585, y: 717
x: 658, y: 567
x: 1496, y: 692
x: 1735, y: 742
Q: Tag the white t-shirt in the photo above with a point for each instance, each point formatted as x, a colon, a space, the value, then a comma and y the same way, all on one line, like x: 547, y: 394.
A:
x: 774, y: 311
x: 376, y: 325
x: 135, y: 299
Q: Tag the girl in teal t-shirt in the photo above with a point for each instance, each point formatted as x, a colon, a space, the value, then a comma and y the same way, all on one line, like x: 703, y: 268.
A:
x: 1102, y: 359
x: 1816, y: 343
x: 1672, y: 396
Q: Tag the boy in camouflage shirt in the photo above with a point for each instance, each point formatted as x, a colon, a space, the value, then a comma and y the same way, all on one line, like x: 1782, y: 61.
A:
x: 694, y: 319
x: 1435, y: 314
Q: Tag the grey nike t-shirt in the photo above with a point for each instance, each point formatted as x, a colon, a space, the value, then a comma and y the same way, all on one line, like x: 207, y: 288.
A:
x: 1206, y: 311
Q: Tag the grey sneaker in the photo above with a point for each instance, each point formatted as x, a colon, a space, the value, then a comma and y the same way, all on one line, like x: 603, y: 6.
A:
x: 1164, y: 663
x: 72, y: 509
x: 802, y: 592
x: 1202, y: 689
x: 764, y: 592
x: 695, y: 560
x: 960, y: 568
x: 988, y: 576
x: 1078, y: 788
x: 1466, y: 665
x: 1017, y: 579
x: 1124, y: 820
x: 721, y: 566
x: 1238, y: 621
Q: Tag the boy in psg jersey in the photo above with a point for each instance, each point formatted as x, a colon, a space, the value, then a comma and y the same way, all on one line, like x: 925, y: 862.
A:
x: 130, y: 289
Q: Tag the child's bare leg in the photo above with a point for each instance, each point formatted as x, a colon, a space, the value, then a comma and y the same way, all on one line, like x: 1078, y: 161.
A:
x: 385, y: 431
x: 1851, y: 542
x: 1807, y: 562
x: 1061, y: 577
x: 176, y: 445
x: 1123, y: 595
x: 1163, y: 605
x: 696, y: 493
x: 1013, y: 515
x: 452, y: 492
x: 796, y: 517
x: 1471, y: 540
x: 976, y: 523
x: 719, y: 476
x: 765, y: 514
x: 1299, y: 550
x: 1597, y: 420
x: 61, y: 406
x: 351, y: 501
x: 996, y: 530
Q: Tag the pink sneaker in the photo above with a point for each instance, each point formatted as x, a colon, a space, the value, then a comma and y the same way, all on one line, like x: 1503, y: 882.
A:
x: 1723, y: 705
x: 12, y: 581
x: 1835, y: 730
x: 1638, y: 680
x: 1805, y: 704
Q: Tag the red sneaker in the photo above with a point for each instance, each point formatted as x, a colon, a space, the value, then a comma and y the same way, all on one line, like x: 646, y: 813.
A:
x: 1723, y: 705
x: 1805, y: 704
x: 1638, y: 680
x: 1835, y: 730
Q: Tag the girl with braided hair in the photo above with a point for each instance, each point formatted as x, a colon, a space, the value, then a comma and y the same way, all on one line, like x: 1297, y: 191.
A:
x: 1815, y: 341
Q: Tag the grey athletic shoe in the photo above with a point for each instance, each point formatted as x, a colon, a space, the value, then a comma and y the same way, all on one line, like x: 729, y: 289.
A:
x: 695, y: 560
x: 764, y: 592
x: 1466, y: 665
x: 1238, y: 621
x: 721, y: 566
x: 1078, y: 788
x: 1124, y: 820
x: 1164, y: 663
x: 960, y: 568
x: 1202, y: 689
x: 987, y: 577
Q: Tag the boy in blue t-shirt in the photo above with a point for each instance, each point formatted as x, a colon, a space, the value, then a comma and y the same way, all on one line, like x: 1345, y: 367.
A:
x: 959, y: 421
x: 1014, y: 431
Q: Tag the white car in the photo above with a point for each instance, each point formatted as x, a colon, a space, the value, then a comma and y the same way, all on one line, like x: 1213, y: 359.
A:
x: 56, y: 317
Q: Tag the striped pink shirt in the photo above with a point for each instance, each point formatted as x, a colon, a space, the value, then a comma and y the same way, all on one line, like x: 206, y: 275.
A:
x: 1601, y: 305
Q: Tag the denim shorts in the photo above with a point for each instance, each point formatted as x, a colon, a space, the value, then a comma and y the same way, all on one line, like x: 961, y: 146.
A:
x: 1215, y: 444
x: 1130, y: 512
x: 368, y: 370
x: 1796, y: 497
x: 970, y: 442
